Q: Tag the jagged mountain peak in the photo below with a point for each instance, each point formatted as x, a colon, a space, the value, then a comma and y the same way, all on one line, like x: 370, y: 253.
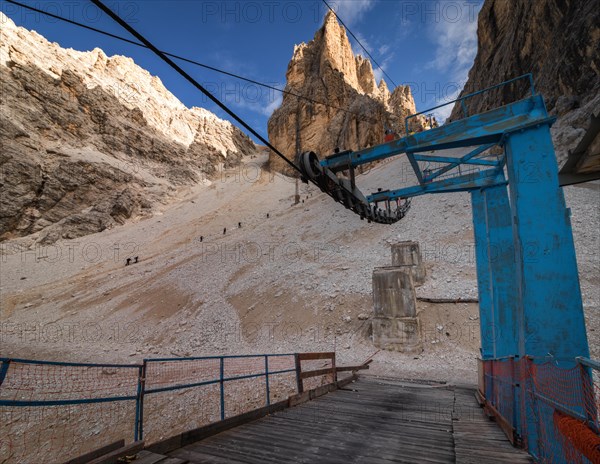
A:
x: 355, y: 110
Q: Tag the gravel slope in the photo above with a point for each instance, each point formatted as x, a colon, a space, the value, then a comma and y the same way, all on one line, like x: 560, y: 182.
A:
x: 298, y: 280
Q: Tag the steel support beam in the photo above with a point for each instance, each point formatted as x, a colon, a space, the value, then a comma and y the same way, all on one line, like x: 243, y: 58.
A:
x: 455, y: 162
x: 484, y: 277
x: 501, y: 320
x: 480, y: 129
x: 547, y: 291
x: 471, y: 181
x: 496, y: 269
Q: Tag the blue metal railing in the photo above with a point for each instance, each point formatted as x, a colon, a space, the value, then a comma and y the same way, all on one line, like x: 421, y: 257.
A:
x: 588, y: 363
x: 30, y: 383
x: 222, y: 379
x: 466, y: 97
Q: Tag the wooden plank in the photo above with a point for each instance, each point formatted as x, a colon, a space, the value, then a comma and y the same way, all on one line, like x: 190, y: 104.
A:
x: 479, y: 439
x: 480, y: 398
x: 504, y: 424
x: 316, y: 373
x: 342, y: 383
x: 84, y: 458
x: 333, y: 366
x: 300, y: 384
x: 326, y: 447
x: 113, y: 456
x: 375, y: 422
x: 262, y: 438
x: 200, y: 433
x: 326, y: 437
x: 183, y: 439
x: 195, y: 457
x: 299, y: 398
x: 146, y: 457
x: 170, y: 460
x: 252, y: 443
x: 166, y: 445
x: 313, y: 356
x: 322, y: 390
x: 351, y: 368
x: 392, y: 431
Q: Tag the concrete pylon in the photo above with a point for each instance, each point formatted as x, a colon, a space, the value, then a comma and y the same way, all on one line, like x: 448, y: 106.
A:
x: 395, y: 324
x: 408, y: 253
x: 393, y: 292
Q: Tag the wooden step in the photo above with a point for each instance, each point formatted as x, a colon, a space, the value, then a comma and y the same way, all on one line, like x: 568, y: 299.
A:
x: 114, y: 457
x: 147, y: 457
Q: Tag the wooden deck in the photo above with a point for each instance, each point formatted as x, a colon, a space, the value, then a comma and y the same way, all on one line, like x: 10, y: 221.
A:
x: 370, y: 421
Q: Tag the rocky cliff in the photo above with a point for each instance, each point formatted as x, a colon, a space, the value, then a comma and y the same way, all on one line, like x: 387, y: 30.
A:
x: 357, y: 112
x: 90, y: 141
x: 557, y: 41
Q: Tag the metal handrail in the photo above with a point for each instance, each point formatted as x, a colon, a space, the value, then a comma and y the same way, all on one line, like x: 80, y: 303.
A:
x: 195, y: 358
x: 61, y: 363
x: 143, y: 389
x: 588, y: 362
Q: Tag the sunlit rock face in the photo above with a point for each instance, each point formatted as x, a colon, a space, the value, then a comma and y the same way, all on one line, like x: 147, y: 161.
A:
x: 557, y: 41
x: 90, y: 141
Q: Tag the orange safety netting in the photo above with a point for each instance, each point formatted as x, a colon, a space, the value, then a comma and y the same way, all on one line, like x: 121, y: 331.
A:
x: 539, y: 390
x: 581, y: 437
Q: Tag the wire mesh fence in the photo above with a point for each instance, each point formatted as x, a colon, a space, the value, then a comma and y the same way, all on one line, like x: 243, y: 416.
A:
x: 50, y: 409
x: 552, y: 407
x: 53, y: 411
x: 500, y: 387
x: 282, y: 380
x: 173, y: 412
x: 317, y: 365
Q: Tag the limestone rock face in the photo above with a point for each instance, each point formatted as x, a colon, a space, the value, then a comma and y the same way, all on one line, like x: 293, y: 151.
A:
x: 326, y: 70
x: 556, y: 40
x: 90, y: 141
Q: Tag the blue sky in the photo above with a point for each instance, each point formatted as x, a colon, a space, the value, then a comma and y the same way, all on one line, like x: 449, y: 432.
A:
x: 427, y: 44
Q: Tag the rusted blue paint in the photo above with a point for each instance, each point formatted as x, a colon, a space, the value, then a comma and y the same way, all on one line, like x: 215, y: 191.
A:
x: 268, y: 391
x: 547, y: 289
x: 464, y: 183
x: 463, y: 99
x: 484, y: 284
x: 489, y: 127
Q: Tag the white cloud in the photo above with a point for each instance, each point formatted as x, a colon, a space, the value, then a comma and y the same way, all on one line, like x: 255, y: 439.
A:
x: 356, y: 48
x: 273, y: 105
x: 247, y: 96
x: 455, y: 39
x: 378, y: 73
x: 351, y: 11
x: 384, y: 55
x: 443, y: 113
x: 384, y: 49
